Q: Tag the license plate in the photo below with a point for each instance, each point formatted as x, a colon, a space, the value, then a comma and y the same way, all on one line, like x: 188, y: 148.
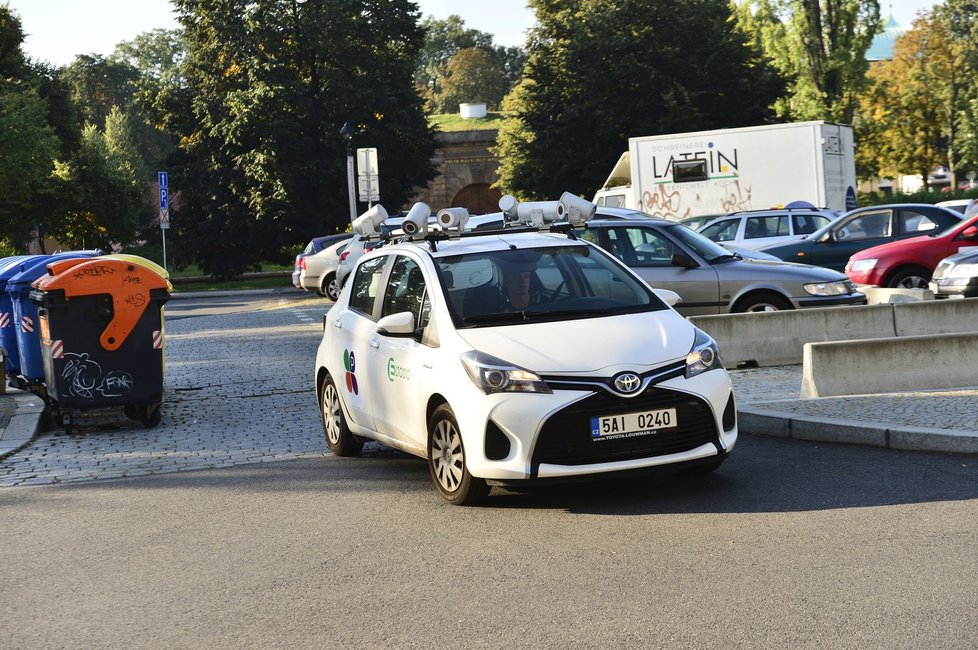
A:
x: 631, y: 425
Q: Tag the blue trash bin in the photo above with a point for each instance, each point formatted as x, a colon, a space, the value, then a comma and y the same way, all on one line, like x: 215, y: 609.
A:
x: 30, y: 364
x: 9, y: 266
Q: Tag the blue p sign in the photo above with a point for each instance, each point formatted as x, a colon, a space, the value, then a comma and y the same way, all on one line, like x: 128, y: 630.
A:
x: 164, y: 198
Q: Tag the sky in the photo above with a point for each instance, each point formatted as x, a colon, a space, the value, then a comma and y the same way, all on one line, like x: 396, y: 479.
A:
x: 57, y: 30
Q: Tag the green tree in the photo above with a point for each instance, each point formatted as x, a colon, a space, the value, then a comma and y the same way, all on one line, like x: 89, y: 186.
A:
x: 28, y: 147
x: 598, y: 73
x: 97, y: 84
x: 442, y: 39
x: 99, y: 195
x: 819, y: 44
x: 269, y: 85
x: 916, y: 113
x: 960, y: 21
x: 471, y: 75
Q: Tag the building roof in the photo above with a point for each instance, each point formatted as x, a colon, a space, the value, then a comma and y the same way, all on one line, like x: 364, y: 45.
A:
x: 881, y: 48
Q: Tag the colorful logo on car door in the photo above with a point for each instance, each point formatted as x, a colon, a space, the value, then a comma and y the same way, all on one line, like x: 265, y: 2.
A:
x: 350, y: 363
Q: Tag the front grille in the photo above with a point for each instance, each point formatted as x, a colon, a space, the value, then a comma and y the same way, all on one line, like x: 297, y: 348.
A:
x: 565, y: 438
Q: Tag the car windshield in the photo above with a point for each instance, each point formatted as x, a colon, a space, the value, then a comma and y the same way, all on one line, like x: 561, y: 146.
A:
x: 525, y: 285
x: 705, y: 248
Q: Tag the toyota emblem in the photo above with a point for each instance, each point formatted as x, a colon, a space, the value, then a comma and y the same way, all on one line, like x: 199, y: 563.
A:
x: 628, y: 382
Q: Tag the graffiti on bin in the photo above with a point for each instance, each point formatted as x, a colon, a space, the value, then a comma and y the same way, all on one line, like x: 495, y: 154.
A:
x: 136, y: 299
x: 93, y: 271
x: 83, y: 378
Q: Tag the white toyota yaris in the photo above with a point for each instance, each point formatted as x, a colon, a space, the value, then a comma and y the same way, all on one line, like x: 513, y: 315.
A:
x: 517, y: 355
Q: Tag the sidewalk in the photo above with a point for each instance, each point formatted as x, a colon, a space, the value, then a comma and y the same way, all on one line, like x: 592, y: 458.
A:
x: 767, y: 404
x: 936, y: 420
x: 20, y: 420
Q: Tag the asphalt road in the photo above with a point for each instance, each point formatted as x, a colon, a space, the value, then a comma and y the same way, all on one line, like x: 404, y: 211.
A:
x: 789, y: 544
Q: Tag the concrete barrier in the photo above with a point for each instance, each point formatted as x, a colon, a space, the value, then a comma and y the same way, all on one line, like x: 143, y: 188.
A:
x: 936, y: 317
x: 777, y: 338
x: 890, y: 365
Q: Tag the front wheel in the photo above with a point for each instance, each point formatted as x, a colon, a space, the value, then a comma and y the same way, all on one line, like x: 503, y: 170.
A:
x: 762, y: 302
x: 340, y: 439
x: 913, y: 278
x: 446, y: 460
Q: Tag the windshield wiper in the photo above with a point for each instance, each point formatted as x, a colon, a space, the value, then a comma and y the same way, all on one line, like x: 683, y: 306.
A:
x: 728, y: 256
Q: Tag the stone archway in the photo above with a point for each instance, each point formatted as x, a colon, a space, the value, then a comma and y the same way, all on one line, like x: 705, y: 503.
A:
x: 479, y: 198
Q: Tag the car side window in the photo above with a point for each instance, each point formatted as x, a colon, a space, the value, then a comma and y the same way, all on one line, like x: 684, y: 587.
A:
x: 865, y: 226
x: 649, y: 247
x: 806, y: 224
x: 366, y: 285
x: 768, y: 226
x: 405, y: 290
x: 725, y: 230
x: 912, y: 221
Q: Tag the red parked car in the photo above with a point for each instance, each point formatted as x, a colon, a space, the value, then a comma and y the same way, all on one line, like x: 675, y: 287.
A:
x: 909, y: 263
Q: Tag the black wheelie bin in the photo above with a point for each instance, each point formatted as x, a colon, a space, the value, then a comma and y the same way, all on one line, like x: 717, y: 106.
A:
x: 101, y: 332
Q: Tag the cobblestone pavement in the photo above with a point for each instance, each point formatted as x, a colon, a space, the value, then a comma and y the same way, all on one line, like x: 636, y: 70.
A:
x: 238, y: 389
x: 778, y: 389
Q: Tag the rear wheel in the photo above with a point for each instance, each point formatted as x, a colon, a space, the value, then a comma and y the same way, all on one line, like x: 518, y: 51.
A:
x: 340, y: 439
x: 446, y: 460
x: 909, y: 278
x: 762, y: 301
x: 330, y: 288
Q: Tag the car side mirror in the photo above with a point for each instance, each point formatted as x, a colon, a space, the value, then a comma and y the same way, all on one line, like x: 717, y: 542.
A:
x: 683, y: 260
x: 826, y: 238
x: 400, y: 324
x: 971, y: 232
x: 671, y: 298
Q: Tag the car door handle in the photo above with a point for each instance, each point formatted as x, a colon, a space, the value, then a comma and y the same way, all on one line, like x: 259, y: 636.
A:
x: 374, y: 343
x: 338, y: 324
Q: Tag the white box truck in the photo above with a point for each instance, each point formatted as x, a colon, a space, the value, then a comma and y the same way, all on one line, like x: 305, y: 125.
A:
x: 729, y: 170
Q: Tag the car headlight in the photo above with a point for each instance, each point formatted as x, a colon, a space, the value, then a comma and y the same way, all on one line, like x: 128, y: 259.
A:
x: 861, y: 266
x: 963, y: 271
x: 494, y: 375
x: 704, y: 356
x: 837, y: 288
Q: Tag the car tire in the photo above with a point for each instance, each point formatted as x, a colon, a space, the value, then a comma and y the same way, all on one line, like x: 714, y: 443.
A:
x: 761, y: 301
x: 446, y: 461
x: 340, y: 439
x: 330, y: 288
x: 911, y: 277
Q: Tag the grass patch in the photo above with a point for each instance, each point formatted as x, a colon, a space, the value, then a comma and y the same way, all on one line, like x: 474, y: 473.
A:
x: 282, y: 282
x: 455, y: 122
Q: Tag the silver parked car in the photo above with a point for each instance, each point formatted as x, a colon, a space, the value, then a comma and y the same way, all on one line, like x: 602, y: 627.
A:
x: 709, y: 278
x: 758, y: 228
x: 956, y: 276
x: 317, y: 272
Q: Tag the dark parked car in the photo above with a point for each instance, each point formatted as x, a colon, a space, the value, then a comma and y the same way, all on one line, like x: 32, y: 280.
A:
x: 833, y: 245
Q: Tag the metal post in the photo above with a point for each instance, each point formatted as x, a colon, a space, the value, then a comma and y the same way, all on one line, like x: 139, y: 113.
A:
x: 347, y: 133
x: 163, y: 232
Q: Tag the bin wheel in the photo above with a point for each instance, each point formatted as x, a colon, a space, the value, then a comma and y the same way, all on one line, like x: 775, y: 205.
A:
x: 153, y: 416
x: 132, y: 411
x: 68, y: 422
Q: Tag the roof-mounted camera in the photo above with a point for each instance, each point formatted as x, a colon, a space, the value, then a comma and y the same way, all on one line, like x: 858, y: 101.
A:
x: 368, y: 224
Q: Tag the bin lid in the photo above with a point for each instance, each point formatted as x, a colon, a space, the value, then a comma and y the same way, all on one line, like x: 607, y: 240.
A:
x: 31, y: 269
x: 8, y: 265
x: 136, y: 259
x: 128, y: 284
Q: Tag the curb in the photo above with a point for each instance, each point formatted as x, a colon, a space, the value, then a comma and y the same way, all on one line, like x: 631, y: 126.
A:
x: 773, y: 423
x: 24, y: 425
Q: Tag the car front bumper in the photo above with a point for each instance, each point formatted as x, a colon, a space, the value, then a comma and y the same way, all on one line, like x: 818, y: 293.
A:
x: 534, y: 437
x: 958, y: 287
x: 857, y: 298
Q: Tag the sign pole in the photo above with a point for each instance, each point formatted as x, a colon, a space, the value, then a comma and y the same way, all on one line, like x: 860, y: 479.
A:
x: 163, y: 178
